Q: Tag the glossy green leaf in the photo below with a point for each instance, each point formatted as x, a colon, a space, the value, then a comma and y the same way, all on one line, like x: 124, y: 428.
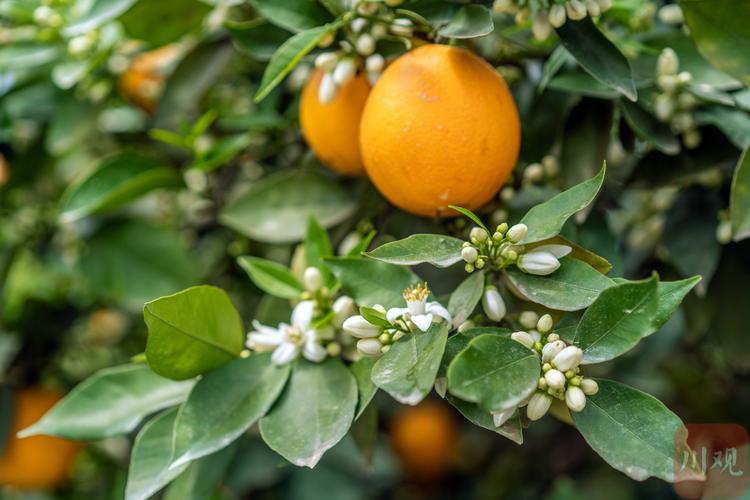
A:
x: 98, y: 13
x: 293, y: 15
x: 192, y: 332
x: 465, y: 298
x: 407, y: 371
x: 317, y: 246
x: 734, y: 123
x: 547, y: 219
x: 633, y: 431
x: 598, y: 56
x: 202, y: 477
x: 366, y: 389
x: 617, y: 320
x: 258, y: 37
x: 671, y: 294
x: 117, y: 180
x: 271, y: 277
x: 149, y: 468
x: 436, y: 249
x: 471, y: 215
x: 512, y: 429
x: 719, y: 29
x: 739, y: 205
x: 578, y: 252
x: 370, y: 282
x: 165, y: 21
x: 277, y: 208
x: 469, y: 22
x: 111, y: 402
x: 313, y: 413
x: 495, y: 372
x: 224, y: 404
x: 574, y: 286
x: 649, y: 129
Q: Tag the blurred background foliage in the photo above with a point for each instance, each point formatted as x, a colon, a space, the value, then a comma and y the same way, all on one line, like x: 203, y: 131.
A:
x: 134, y: 163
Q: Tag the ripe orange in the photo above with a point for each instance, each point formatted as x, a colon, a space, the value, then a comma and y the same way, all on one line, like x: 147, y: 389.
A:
x: 143, y: 81
x: 425, y: 439
x: 39, y: 462
x: 440, y: 128
x: 332, y: 130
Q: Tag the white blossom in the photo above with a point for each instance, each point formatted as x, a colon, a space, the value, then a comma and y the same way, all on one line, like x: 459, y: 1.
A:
x: 517, y: 232
x: 418, y: 310
x: 538, y: 405
x: 359, y: 327
x: 523, y: 338
x: 369, y: 347
x: 575, y: 398
x: 312, y: 279
x: 538, y: 262
x: 568, y: 359
x: 555, y: 379
x: 589, y: 386
x: 551, y: 349
x: 493, y: 304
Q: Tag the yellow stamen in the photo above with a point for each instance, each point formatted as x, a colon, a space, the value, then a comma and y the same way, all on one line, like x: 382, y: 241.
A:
x: 417, y: 293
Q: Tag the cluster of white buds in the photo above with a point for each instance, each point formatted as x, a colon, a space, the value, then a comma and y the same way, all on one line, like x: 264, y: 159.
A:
x: 378, y: 328
x: 556, y: 15
x: 561, y: 374
x: 501, y: 249
x: 371, y: 21
x: 674, y: 103
x: 546, y: 170
x: 643, y: 216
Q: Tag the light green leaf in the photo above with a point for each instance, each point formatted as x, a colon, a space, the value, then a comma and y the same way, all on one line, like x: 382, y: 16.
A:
x: 598, y: 56
x: 271, y: 277
x: 436, y: 249
x: 362, y: 371
x: 318, y: 247
x: 407, y: 371
x: 98, y: 13
x: 547, y: 219
x: 739, y: 204
x: 111, y: 402
x: 495, y: 372
x: 149, y: 468
x: 192, y: 332
x: 469, y: 22
x: 277, y: 208
x: 719, y: 29
x: 314, y: 412
x: 224, y: 404
x: 370, y: 282
x: 572, y: 287
x: 471, y: 215
x: 617, y: 320
x: 202, y: 477
x: 117, y: 180
x: 633, y: 431
x: 292, y: 15
x: 511, y: 429
x: 465, y: 298
x: 649, y: 129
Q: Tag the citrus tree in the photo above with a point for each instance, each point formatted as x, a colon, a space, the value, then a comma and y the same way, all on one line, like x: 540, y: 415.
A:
x: 224, y: 218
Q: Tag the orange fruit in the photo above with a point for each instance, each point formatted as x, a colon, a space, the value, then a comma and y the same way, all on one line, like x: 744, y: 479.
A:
x: 425, y: 439
x: 332, y: 130
x: 440, y: 128
x: 143, y: 81
x: 38, y: 462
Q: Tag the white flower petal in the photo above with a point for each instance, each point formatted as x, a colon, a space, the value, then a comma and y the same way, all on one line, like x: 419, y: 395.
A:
x: 264, y: 329
x: 263, y: 342
x: 285, y: 353
x: 500, y: 418
x: 438, y: 310
x: 558, y: 251
x: 422, y: 321
x: 313, y: 351
x: 303, y: 314
x: 394, y: 313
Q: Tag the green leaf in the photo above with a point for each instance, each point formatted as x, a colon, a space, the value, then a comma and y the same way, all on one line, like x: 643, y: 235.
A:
x: 598, y: 56
x: 547, y: 219
x: 149, y: 461
x: 318, y: 247
x: 16, y: 56
x: 374, y: 316
x: 407, y: 371
x: 314, y: 412
x: 111, y: 402
x: 277, y: 208
x: 734, y: 123
x: 356, y: 277
x: 292, y: 15
x: 202, y: 477
x: 617, y: 320
x: 511, y: 429
x: 192, y: 332
x: 436, y: 249
x: 469, y: 22
x: 739, y: 204
x: 649, y: 129
x: 574, y: 286
x: 224, y: 404
x: 471, y: 215
x: 495, y: 372
x: 98, y: 13
x: 578, y: 252
x: 631, y: 430
x: 362, y: 371
x: 259, y: 38
x: 719, y: 29
x: 271, y: 277
x: 288, y: 56
x: 160, y: 23
x: 117, y: 180
x: 671, y: 294
x: 465, y: 298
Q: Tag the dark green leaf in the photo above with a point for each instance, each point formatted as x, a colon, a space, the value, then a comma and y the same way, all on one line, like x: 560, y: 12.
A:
x: 202, y: 477
x: 356, y: 277
x: 511, y: 429
x: 259, y: 38
x: 165, y: 21
x: 469, y: 22
x: 362, y: 371
x: 648, y: 128
x: 471, y: 215
x: 271, y: 277
x: 293, y: 15
x: 436, y: 249
x: 465, y: 297
x: 734, y: 123
x: 739, y: 205
x: 671, y: 294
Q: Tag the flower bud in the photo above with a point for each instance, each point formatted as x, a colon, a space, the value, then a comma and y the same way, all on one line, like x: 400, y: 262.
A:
x: 402, y: 27
x: 365, y: 8
x: 328, y: 89
x: 517, y: 232
x: 541, y: 27
x: 683, y: 78
x: 551, y: 349
x: 466, y: 325
x: 479, y: 264
x: 589, y: 386
x: 478, y: 234
x: 369, y: 347
x: 545, y: 324
x: 575, y: 398
x: 374, y: 63
x: 535, y: 336
x: 575, y: 10
x: 327, y: 40
x: 540, y: 263
x: 366, y: 44
x: 378, y: 30
x: 568, y: 359
x: 724, y: 232
x: 469, y: 254
x: 555, y: 379
x: 358, y: 24
x: 507, y: 194
x: 533, y: 172
x: 528, y: 319
x: 664, y: 106
x: 500, y: 418
x: 312, y: 279
x: 493, y: 304
x: 326, y: 61
x: 683, y: 121
x: 344, y: 71
x: 692, y: 138
x: 558, y: 251
x: 592, y: 6
x: 538, y: 406
x: 557, y: 15
x: 469, y: 268
x: 359, y: 327
x: 671, y: 14
x: 552, y: 337
x: 523, y: 338
x: 668, y: 83
x: 384, y: 338
x: 686, y: 101
x: 333, y: 349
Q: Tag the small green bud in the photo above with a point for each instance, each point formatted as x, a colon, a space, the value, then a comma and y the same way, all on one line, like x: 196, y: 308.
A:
x: 333, y: 349
x: 385, y: 349
x: 552, y: 337
x: 570, y: 374
x: 479, y: 264
x: 397, y: 335
x: 384, y: 338
x: 502, y: 228
x: 469, y: 268
x: 576, y: 380
x: 546, y: 367
x: 538, y: 346
x: 542, y: 383
x: 498, y: 236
